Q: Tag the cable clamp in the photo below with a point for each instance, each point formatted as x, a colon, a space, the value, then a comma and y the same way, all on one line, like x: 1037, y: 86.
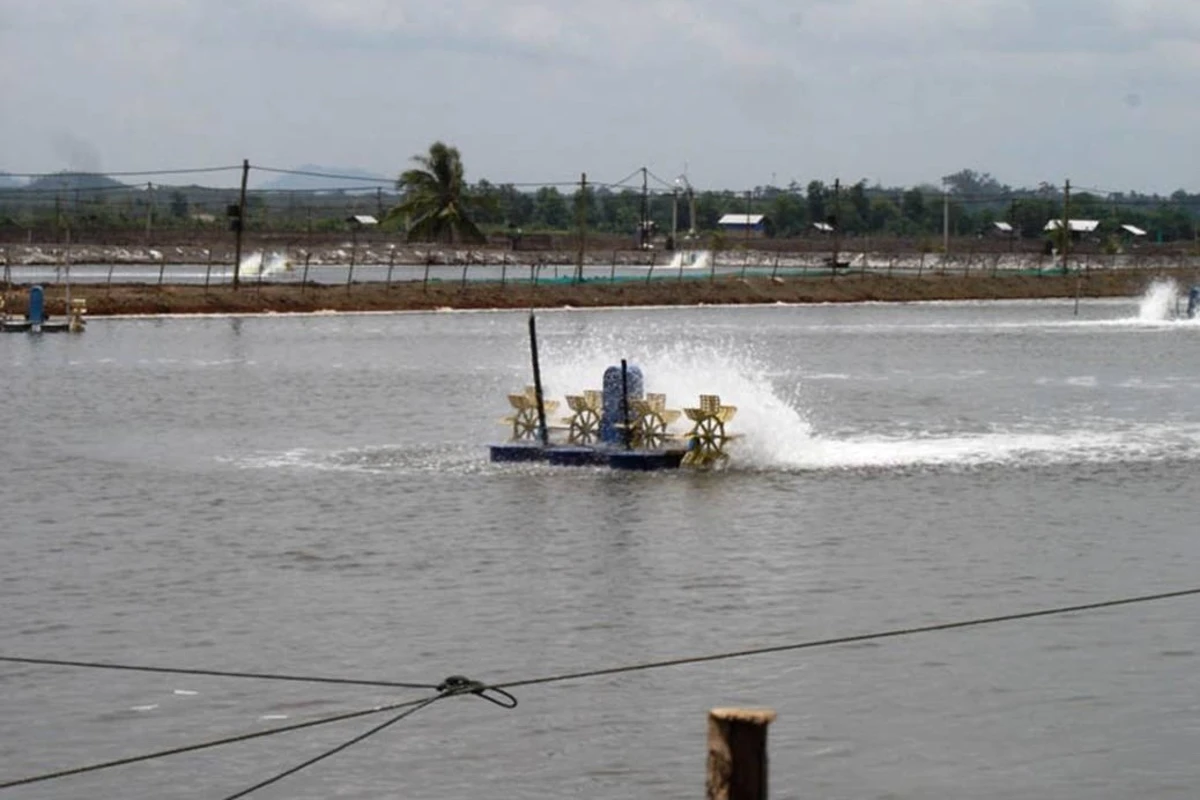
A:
x: 460, y: 684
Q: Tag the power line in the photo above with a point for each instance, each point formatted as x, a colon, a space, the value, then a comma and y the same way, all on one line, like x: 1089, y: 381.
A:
x: 863, y: 637
x: 660, y: 180
x: 120, y: 762
x: 54, y: 662
x: 333, y: 176
x: 626, y: 179
x: 123, y: 174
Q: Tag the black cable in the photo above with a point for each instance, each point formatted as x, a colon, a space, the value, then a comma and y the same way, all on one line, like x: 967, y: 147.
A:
x: 628, y: 177
x: 52, y: 662
x: 660, y: 180
x: 864, y: 637
x: 307, y: 173
x: 120, y: 762
x: 458, y: 685
x: 125, y: 174
x: 335, y: 750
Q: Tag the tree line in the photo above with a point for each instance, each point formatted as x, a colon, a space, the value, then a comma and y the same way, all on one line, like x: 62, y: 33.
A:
x: 434, y: 201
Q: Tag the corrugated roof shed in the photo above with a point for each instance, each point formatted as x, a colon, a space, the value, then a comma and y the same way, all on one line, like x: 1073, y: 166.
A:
x: 1134, y: 230
x: 1075, y: 225
x: 1003, y: 226
x: 741, y: 219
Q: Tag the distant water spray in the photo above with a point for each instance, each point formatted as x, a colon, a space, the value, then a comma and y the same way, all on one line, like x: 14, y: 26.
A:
x: 1159, y: 301
x: 263, y: 264
x: 690, y: 260
x: 775, y: 434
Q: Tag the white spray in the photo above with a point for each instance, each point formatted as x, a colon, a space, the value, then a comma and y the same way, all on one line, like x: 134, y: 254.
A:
x: 1159, y: 301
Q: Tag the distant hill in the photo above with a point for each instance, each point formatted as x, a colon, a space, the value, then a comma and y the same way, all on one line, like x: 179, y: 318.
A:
x: 8, y: 181
x: 342, y: 178
x: 69, y: 181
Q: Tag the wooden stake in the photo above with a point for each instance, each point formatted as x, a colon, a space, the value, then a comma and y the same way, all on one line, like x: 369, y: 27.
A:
x: 737, y: 753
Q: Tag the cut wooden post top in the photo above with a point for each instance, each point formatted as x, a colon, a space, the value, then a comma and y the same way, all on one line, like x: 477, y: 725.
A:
x: 754, y: 716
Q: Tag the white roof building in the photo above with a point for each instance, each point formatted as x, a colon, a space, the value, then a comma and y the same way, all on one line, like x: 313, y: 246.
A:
x: 1074, y: 225
x: 741, y: 219
x: 1133, y: 230
x: 823, y: 227
x: 1003, y: 227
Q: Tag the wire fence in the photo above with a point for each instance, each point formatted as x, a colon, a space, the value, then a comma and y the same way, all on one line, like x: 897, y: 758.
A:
x: 370, y: 265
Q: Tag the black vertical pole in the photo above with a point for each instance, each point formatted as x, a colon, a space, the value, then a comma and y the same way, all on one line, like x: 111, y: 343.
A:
x: 625, y: 432
x: 543, y: 433
x: 241, y: 224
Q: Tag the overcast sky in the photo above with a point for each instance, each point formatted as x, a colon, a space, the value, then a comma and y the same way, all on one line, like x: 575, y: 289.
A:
x: 897, y: 91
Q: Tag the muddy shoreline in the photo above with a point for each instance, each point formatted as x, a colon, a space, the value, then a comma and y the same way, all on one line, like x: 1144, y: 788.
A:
x: 127, y: 299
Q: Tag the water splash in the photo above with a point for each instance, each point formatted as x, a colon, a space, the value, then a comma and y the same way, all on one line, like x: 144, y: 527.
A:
x: 1159, y: 301
x: 690, y: 260
x: 264, y: 264
x: 769, y: 421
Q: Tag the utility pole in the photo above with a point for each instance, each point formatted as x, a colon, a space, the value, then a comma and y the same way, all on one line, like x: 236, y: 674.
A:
x: 837, y: 227
x: 674, y: 216
x: 691, y: 210
x: 642, y: 237
x: 749, y: 194
x: 1012, y: 223
x: 149, y: 211
x: 379, y: 202
x: 945, y: 220
x: 240, y: 224
x: 581, y: 211
x: 1066, y: 225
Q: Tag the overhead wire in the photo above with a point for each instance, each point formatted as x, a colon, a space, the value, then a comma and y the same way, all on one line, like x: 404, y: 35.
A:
x: 120, y: 174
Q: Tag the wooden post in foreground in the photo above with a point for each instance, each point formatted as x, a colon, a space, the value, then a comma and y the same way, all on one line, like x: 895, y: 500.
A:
x: 737, y: 753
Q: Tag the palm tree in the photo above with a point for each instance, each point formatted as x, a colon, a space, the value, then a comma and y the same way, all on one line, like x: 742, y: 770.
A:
x: 436, y: 199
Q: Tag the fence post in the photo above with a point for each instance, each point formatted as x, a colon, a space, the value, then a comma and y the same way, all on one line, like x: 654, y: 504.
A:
x: 162, y: 267
x: 108, y: 283
x: 207, y: 268
x: 391, y: 264
x: 304, y: 276
x: 775, y: 269
x: 466, y: 264
x: 503, y: 269
x: 425, y: 281
x: 737, y: 753
x: 612, y: 272
x: 650, y: 272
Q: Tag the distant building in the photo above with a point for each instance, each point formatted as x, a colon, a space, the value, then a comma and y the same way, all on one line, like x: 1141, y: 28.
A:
x: 1079, y: 228
x: 822, y: 227
x: 1076, y: 226
x: 1133, y: 230
x: 744, y: 224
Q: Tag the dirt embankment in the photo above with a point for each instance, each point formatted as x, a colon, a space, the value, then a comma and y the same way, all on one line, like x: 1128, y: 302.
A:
x: 724, y: 290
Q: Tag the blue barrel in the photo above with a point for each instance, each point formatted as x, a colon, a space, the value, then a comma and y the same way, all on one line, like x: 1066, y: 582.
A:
x: 1193, y: 302
x: 37, y: 305
x: 613, y: 413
